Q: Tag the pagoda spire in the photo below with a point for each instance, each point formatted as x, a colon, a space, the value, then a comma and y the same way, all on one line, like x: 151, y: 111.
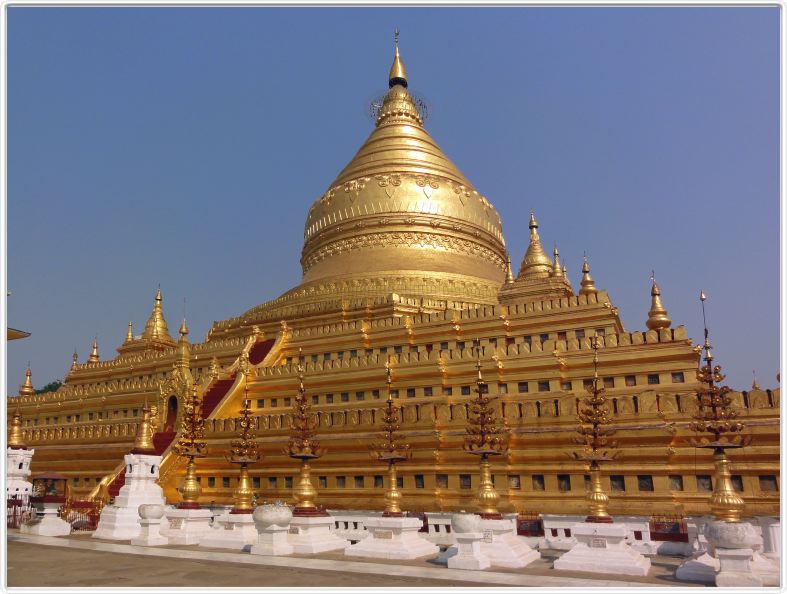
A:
x: 129, y: 332
x: 143, y: 443
x: 74, y: 359
x: 557, y: 268
x: 536, y: 263
x: 15, y: 441
x: 657, y: 316
x: 94, y: 358
x: 509, y: 273
x: 587, y: 284
x: 397, y: 75
x: 26, y: 389
x: 156, y: 326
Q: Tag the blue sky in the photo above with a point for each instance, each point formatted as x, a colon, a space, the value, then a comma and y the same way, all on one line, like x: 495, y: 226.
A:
x: 184, y: 146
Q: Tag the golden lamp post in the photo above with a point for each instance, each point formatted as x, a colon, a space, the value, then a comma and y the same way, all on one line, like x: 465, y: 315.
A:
x: 593, y: 435
x: 301, y: 446
x: 715, y: 415
x: 191, y: 444
x: 391, y: 450
x: 244, y: 451
x: 484, y: 438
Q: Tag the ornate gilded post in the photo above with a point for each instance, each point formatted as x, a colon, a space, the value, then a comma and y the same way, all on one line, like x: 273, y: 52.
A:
x: 484, y: 438
x: 191, y: 444
x: 593, y: 436
x: 244, y: 451
x: 391, y: 450
x: 301, y: 446
x: 715, y: 415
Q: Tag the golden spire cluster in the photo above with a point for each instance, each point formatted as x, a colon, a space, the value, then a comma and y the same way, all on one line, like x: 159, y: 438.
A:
x: 485, y: 437
x: 156, y: 327
x: 392, y: 449
x: 191, y: 444
x: 302, y: 446
x: 593, y: 435
x: 244, y: 451
x: 716, y: 416
x: 536, y: 263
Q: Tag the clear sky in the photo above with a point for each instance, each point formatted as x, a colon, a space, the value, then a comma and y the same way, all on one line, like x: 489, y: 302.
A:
x: 184, y: 146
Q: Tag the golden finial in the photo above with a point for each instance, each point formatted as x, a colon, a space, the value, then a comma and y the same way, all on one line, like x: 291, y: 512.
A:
x: 130, y: 332
x: 74, y: 359
x: 754, y: 384
x: 15, y: 441
x: 26, y: 389
x: 557, y: 269
x: 397, y: 75
x: 184, y: 330
x: 509, y: 273
x: 536, y: 263
x: 588, y: 287
x: 156, y: 326
x: 143, y: 443
x: 657, y: 316
x: 94, y: 358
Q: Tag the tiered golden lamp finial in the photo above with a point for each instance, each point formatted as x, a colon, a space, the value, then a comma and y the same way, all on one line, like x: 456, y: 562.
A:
x: 15, y: 439
x: 485, y: 438
x: 143, y: 443
x: 593, y: 436
x: 587, y: 284
x: 301, y: 446
x: 191, y: 444
x: 244, y: 451
x: 94, y: 358
x: 716, y: 416
x: 391, y: 450
x: 657, y: 316
x: 26, y: 389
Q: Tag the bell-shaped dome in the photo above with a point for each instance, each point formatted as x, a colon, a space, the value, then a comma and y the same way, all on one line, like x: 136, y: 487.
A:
x: 400, y: 206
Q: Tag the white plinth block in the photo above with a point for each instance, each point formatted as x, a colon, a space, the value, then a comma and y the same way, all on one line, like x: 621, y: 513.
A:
x: 17, y: 472
x: 149, y: 533
x: 49, y: 524
x: 231, y: 531
x: 466, y: 553
x: 392, y: 538
x: 273, y: 540
x: 771, y: 537
x: 735, y: 568
x: 119, y: 521
x: 312, y: 534
x: 602, y: 548
x: 502, y: 545
x: 187, y: 526
x: 700, y: 567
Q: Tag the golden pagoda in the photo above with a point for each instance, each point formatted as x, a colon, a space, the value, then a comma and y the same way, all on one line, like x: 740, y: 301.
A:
x: 405, y: 260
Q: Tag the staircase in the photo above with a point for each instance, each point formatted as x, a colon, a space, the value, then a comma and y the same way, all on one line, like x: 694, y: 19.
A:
x: 114, y: 486
x: 259, y: 351
x: 215, y: 393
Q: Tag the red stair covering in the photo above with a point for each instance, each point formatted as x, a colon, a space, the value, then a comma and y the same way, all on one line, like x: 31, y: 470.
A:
x: 114, y: 486
x: 215, y: 393
x: 259, y: 351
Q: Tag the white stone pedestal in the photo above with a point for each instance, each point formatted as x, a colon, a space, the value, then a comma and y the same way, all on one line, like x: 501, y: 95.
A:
x: 120, y: 520
x: 231, y: 531
x: 467, y: 552
x: 312, y: 534
x: 502, y: 545
x: 17, y: 472
x: 735, y: 568
x: 273, y: 540
x: 602, y: 548
x: 187, y: 526
x: 150, y: 533
x: 771, y: 537
x: 49, y: 524
x: 392, y: 538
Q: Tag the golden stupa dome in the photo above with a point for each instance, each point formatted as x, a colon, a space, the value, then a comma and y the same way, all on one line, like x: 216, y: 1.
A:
x: 400, y: 205
x: 399, y: 224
